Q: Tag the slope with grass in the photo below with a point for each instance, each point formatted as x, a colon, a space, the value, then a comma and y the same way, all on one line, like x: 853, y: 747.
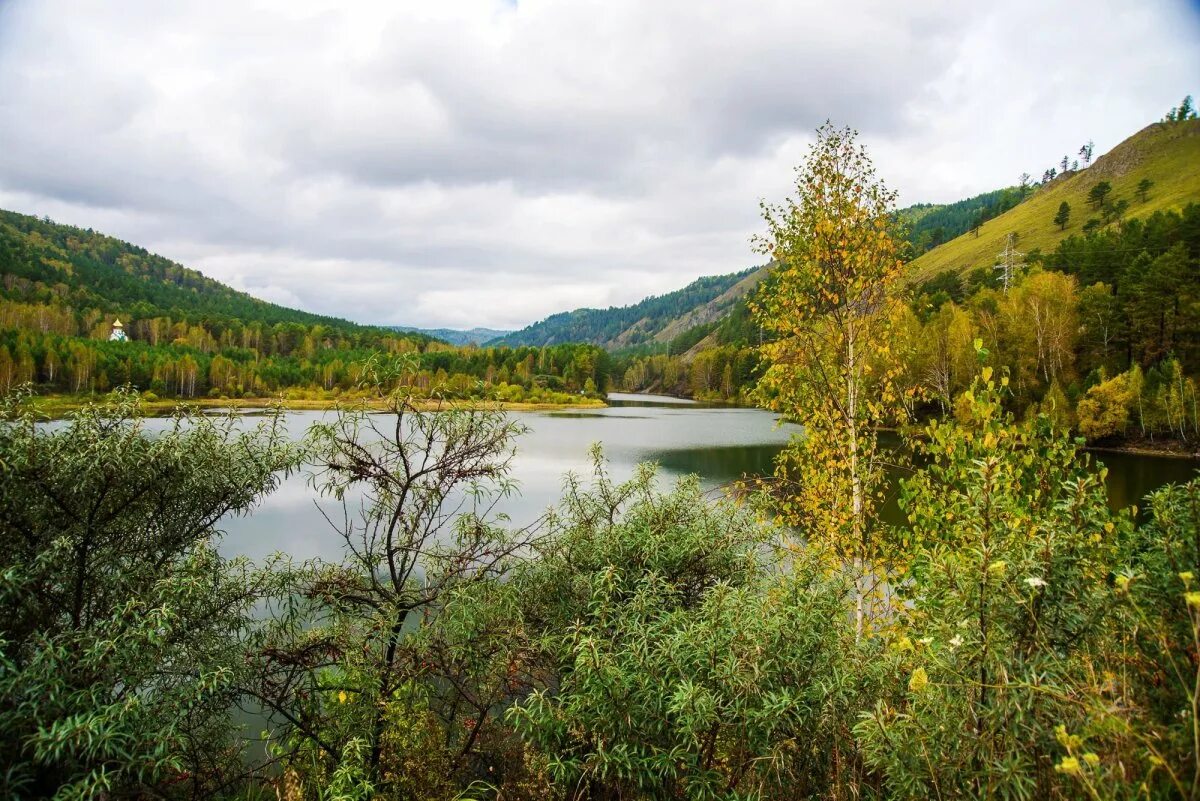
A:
x: 1166, y: 153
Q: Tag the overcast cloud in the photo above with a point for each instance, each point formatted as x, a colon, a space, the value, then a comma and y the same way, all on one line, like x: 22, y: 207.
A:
x: 489, y: 163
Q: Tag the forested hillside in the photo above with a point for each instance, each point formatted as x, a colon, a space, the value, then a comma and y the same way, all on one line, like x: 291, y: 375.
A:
x: 61, y: 288
x: 930, y: 224
x: 46, y: 262
x: 656, y: 319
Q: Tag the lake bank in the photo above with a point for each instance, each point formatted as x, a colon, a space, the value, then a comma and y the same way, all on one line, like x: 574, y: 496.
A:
x: 58, y: 406
x: 1132, y: 446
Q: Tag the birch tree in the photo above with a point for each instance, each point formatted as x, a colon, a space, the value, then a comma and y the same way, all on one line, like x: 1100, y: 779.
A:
x: 835, y: 269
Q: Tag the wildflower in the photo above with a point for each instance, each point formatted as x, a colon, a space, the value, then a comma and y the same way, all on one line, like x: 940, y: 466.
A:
x: 998, y: 567
x: 1192, y: 598
x: 1186, y: 577
x: 1122, y: 583
x: 1035, y: 581
x: 341, y: 696
x: 956, y: 641
x: 904, y: 644
x: 1068, y: 741
x: 919, y: 680
x: 1091, y: 759
x: 1069, y: 766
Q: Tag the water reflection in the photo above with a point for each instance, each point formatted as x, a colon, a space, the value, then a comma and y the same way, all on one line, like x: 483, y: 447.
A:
x: 720, y: 444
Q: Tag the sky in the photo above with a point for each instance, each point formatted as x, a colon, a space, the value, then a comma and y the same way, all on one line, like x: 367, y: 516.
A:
x: 446, y: 163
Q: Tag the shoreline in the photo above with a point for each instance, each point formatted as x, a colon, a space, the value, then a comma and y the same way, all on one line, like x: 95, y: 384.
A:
x: 58, y: 406
x: 1171, y: 451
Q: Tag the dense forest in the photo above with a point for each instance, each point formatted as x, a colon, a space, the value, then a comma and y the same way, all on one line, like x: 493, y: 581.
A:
x: 191, y: 337
x: 1015, y: 638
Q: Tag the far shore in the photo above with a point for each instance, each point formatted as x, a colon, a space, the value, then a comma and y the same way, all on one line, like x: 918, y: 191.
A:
x: 57, y: 406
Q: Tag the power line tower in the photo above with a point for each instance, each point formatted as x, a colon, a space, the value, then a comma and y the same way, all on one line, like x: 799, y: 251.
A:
x: 1009, y: 261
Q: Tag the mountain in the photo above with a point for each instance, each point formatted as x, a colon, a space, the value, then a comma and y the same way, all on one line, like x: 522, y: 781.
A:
x: 456, y: 336
x: 43, y: 260
x: 1165, y: 153
x: 656, y: 320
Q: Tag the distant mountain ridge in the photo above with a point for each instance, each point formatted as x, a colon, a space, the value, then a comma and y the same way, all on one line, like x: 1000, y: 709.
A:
x: 456, y: 336
x: 656, y: 320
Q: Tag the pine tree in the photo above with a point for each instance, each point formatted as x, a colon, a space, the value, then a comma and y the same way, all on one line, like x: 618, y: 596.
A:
x: 1143, y: 188
x: 1063, y: 216
x: 1085, y: 153
x: 1098, y: 193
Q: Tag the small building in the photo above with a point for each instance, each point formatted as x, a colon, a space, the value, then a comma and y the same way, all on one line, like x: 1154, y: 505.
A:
x: 118, y: 332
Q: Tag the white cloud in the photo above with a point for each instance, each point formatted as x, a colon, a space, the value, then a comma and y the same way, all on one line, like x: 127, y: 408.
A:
x: 489, y: 163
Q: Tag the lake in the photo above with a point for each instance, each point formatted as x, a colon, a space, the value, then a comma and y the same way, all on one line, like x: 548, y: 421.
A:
x: 720, y: 444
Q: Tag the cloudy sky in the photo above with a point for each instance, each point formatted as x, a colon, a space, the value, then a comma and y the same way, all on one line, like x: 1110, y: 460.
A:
x: 489, y: 163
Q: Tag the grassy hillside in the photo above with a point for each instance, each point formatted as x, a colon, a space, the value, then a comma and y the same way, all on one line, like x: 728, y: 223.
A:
x: 655, y: 320
x: 1166, y: 153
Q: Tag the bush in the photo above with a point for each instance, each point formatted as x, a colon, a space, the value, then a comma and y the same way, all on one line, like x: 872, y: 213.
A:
x: 1006, y: 613
x: 122, y: 648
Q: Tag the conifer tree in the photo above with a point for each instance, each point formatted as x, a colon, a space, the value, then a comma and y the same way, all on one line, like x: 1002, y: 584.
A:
x: 1063, y: 216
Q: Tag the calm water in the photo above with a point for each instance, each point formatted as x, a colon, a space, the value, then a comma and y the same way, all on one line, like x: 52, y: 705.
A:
x: 719, y: 444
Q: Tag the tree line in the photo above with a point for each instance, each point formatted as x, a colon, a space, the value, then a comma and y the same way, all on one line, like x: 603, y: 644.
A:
x: 40, y: 345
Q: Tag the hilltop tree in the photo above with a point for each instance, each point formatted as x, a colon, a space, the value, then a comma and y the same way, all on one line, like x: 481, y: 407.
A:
x: 1183, y: 112
x: 1143, y: 189
x: 1063, y: 216
x: 1065, y: 164
x: 826, y: 308
x: 1023, y: 186
x: 1085, y: 153
x: 1049, y: 175
x: 1098, y: 193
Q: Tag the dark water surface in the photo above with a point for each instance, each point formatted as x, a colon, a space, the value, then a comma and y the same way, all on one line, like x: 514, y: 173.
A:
x: 720, y: 444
